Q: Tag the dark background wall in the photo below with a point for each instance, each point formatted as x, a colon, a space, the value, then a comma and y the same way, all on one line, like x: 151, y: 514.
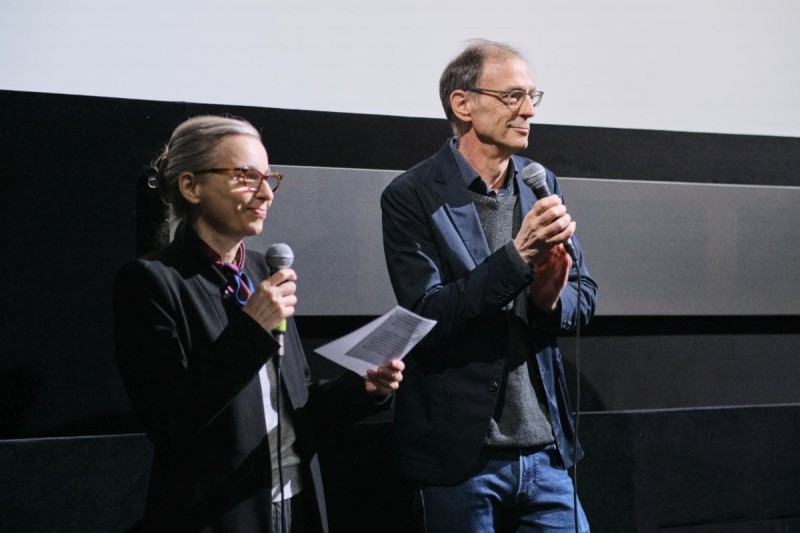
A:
x: 688, y: 420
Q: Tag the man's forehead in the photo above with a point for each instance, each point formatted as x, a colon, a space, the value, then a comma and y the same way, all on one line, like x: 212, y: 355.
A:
x: 506, y: 69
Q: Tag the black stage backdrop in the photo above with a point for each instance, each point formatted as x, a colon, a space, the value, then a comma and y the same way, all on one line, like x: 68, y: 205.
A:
x: 73, y: 210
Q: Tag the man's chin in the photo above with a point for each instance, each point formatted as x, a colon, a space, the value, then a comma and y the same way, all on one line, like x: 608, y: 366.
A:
x: 520, y: 144
x: 519, y: 137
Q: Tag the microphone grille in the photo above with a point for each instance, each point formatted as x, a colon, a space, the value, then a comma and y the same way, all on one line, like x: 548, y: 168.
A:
x: 279, y: 256
x: 534, y: 174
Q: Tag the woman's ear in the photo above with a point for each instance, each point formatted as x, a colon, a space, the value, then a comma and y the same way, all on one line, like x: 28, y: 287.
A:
x: 188, y: 184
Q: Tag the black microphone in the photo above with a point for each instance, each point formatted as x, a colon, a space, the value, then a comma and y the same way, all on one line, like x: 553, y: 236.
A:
x: 279, y: 256
x: 535, y: 176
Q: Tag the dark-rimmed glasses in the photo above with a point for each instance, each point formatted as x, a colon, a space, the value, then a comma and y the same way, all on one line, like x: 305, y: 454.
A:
x: 249, y: 177
x: 512, y: 99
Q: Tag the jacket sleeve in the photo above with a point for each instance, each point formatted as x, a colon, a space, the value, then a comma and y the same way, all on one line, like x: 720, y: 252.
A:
x: 430, y: 274
x: 327, y: 405
x: 432, y: 277
x: 179, y: 371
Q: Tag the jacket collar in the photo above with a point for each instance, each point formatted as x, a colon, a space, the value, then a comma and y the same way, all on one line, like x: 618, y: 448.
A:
x: 451, y: 189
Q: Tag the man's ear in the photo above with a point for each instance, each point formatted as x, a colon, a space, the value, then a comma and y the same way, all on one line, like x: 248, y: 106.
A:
x: 188, y: 184
x: 459, y: 103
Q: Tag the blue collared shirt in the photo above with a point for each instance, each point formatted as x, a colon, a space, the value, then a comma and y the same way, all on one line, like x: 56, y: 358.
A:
x: 472, y: 179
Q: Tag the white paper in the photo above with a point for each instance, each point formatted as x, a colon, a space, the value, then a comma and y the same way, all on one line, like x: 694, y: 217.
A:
x: 390, y: 336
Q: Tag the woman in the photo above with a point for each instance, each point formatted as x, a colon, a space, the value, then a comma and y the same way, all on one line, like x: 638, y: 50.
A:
x: 193, y: 344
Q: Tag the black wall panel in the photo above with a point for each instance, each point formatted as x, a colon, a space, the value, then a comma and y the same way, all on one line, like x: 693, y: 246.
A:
x: 681, y: 471
x: 73, y: 210
x: 72, y: 213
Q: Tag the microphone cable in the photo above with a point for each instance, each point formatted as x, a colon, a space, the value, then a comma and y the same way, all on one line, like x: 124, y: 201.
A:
x: 277, y: 257
x: 279, y: 385
x: 577, y: 406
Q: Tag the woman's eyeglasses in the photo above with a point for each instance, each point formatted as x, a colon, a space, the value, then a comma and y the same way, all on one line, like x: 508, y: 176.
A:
x: 249, y: 177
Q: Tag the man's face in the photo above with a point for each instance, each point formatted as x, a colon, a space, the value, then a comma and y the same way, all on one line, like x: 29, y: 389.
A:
x: 493, y: 121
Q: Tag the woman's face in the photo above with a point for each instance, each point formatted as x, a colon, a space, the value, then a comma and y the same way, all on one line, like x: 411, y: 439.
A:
x: 224, y: 209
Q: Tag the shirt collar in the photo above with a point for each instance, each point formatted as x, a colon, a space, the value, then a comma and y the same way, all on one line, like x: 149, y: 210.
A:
x: 216, y: 259
x: 472, y: 179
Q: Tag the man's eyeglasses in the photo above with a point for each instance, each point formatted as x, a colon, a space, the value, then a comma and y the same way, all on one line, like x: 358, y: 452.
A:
x: 249, y: 177
x: 512, y: 99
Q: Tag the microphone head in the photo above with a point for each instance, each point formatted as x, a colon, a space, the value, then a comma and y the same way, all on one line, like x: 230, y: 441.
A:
x: 279, y: 256
x: 534, y: 175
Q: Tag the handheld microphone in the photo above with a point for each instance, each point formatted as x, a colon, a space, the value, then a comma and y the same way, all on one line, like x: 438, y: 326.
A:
x: 535, y: 176
x: 279, y: 256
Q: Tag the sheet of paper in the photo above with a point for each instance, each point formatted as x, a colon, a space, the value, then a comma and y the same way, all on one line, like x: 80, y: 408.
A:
x: 390, y: 336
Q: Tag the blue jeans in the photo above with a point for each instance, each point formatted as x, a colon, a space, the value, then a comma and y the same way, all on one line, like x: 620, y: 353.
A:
x: 511, y: 491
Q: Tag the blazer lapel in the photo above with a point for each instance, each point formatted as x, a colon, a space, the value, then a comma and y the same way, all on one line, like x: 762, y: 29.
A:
x: 460, y: 210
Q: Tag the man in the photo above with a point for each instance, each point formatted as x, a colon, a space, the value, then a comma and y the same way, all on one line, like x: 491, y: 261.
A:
x: 483, y: 420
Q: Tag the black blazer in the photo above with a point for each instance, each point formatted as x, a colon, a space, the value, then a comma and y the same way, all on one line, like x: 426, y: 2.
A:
x: 440, y: 267
x: 189, y: 358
